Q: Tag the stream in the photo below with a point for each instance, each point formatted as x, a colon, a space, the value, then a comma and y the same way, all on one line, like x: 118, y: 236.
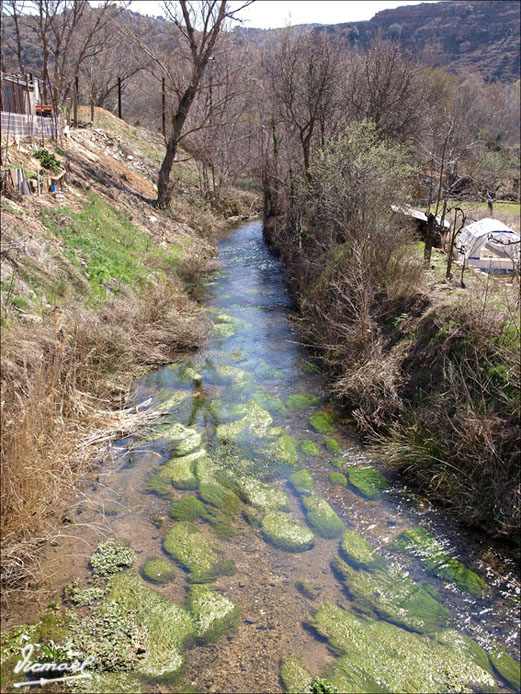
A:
x: 390, y: 618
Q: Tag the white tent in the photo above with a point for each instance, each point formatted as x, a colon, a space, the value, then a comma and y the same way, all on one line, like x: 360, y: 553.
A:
x: 489, y: 245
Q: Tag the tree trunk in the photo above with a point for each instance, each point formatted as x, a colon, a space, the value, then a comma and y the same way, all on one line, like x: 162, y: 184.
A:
x: 429, y: 237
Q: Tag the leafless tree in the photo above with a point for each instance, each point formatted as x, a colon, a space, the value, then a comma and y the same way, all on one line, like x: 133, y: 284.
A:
x: 14, y: 9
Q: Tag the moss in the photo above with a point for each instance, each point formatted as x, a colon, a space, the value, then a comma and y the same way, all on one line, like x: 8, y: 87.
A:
x: 378, y: 656
x: 180, y: 472
x: 111, y: 557
x: 302, y: 481
x: 206, y: 469
x: 359, y: 553
x: 265, y: 497
x: 158, y: 571
x: 339, y: 463
x: 254, y: 421
x: 284, y: 450
x: 113, y: 683
x: 323, y: 422
x: 183, y: 440
x: 332, y: 446
x: 322, y: 517
x: 308, y: 447
x: 300, y: 402
x: 174, y: 399
x: 393, y: 596
x: 286, y: 532
x: 83, y: 596
x: 213, y: 614
x: 506, y: 667
x: 223, y: 330
x: 368, y: 481
x: 188, y: 508
x: 193, y: 549
x: 295, y: 677
x: 224, y: 499
x: 338, y: 478
x: 160, y: 485
x: 307, y: 590
x: 168, y: 626
x: 420, y: 542
x: 231, y: 375
x: 272, y: 404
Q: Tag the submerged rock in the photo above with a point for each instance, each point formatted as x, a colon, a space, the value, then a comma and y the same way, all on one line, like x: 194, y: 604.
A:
x: 506, y: 667
x: 213, y: 613
x: 158, y: 571
x: 286, y: 532
x: 265, y: 497
x: 302, y: 481
x: 359, y: 553
x: 308, y: 447
x: 230, y: 375
x: 420, y: 542
x: 284, y: 450
x: 300, y: 402
x: 295, y: 677
x: 322, y: 517
x: 183, y: 439
x: 338, y: 478
x: 254, y: 421
x: 180, y: 472
x: 332, y: 446
x: 173, y: 399
x: 187, y: 508
x: 368, y: 481
x: 395, y: 597
x: 194, y: 550
x: 382, y: 657
x: 272, y: 404
x: 323, y: 422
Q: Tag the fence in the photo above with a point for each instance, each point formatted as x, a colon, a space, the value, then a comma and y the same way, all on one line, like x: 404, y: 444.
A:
x: 21, y: 125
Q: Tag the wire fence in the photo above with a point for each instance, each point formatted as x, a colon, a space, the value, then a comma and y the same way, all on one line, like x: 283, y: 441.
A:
x: 24, y: 125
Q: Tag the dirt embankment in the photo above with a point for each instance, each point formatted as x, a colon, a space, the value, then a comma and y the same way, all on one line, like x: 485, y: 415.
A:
x: 97, y: 284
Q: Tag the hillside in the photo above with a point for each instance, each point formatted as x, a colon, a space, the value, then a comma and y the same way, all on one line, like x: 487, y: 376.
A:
x: 480, y: 35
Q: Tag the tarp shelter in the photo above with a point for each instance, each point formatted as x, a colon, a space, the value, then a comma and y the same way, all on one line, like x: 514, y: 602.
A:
x: 489, y: 245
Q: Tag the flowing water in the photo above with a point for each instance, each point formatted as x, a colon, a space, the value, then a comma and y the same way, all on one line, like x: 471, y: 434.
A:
x: 255, y: 352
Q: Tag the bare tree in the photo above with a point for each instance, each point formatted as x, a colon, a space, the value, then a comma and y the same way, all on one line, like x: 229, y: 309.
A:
x: 14, y: 9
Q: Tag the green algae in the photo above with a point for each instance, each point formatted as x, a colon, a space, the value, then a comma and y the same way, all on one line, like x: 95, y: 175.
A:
x: 332, y: 446
x: 158, y: 571
x: 224, y: 499
x: 231, y: 375
x: 382, y: 657
x: 112, y: 683
x: 254, y: 421
x: 263, y: 496
x: 194, y: 550
x: 168, y: 626
x: 323, y: 422
x: 284, y: 450
x: 359, y: 553
x: 110, y: 557
x: 206, y: 469
x: 368, y: 481
x: 300, y: 402
x: 179, y: 472
x: 395, y: 597
x: 307, y: 590
x: 223, y: 330
x: 308, y: 447
x: 420, y: 542
x: 506, y: 667
x: 213, y: 614
x: 302, y: 481
x: 339, y: 463
x: 272, y: 404
x: 338, y: 478
x: 183, y: 439
x: 322, y: 517
x: 295, y: 677
x: 174, y: 399
x: 188, y: 508
x: 286, y: 533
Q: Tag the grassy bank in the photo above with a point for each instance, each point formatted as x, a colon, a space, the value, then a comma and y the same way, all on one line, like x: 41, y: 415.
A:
x: 97, y: 286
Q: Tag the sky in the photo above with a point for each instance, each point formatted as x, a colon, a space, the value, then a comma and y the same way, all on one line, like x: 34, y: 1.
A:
x: 269, y: 14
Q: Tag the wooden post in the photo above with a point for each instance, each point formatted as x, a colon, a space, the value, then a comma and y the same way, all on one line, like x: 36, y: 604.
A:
x: 76, y: 85
x: 163, y: 106
x: 119, y: 97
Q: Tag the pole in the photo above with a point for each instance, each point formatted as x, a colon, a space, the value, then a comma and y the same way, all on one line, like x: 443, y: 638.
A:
x: 76, y: 85
x: 119, y: 97
x: 163, y: 106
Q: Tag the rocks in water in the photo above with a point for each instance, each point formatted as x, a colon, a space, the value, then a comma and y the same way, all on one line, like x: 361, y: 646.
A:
x: 225, y: 326
x: 179, y: 472
x: 284, y: 450
x: 254, y: 421
x: 223, y: 330
x: 506, y: 667
x: 308, y: 447
x: 173, y: 399
x: 322, y: 517
x: 183, y: 439
x: 265, y: 497
x: 295, y: 677
x: 307, y: 590
x: 158, y: 571
x: 323, y: 422
x: 188, y: 508
x: 300, y: 402
x: 302, y: 481
x: 272, y: 404
x: 332, y: 446
x: 286, y: 533
x: 381, y: 657
x: 368, y: 481
x: 230, y: 375
x: 213, y: 614
x: 420, y: 542
x: 395, y: 597
x: 359, y: 553
x: 111, y: 557
x: 338, y: 478
x: 195, y: 551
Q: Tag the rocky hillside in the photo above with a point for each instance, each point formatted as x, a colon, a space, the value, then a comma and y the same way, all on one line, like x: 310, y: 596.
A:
x: 480, y: 35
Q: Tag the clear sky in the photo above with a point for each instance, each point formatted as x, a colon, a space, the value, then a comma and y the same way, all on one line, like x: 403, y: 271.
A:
x: 266, y: 14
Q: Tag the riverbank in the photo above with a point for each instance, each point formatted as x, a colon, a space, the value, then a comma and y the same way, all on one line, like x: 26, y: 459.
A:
x: 97, y: 286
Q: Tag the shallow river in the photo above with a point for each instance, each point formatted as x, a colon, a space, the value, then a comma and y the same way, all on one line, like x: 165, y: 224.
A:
x: 397, y: 613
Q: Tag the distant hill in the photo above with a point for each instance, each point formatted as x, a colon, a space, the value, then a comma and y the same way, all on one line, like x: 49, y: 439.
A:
x: 478, y: 35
